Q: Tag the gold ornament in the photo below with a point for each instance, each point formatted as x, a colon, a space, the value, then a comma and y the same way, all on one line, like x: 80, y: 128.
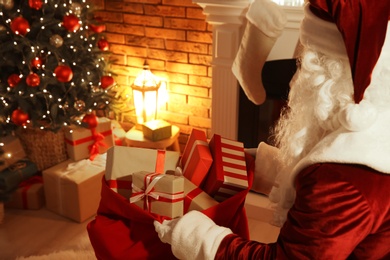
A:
x: 56, y: 40
x: 79, y: 105
x: 75, y: 8
x: 8, y: 4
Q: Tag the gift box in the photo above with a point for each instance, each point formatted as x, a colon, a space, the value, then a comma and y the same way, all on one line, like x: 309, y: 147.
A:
x: 13, y: 151
x: 82, y: 143
x: 196, y: 159
x: 123, y: 161
x: 157, y: 130
x: 195, y: 198
x: 118, y: 133
x: 16, y: 173
x: 29, y: 195
x: 228, y: 174
x: 72, y: 189
x: 160, y: 194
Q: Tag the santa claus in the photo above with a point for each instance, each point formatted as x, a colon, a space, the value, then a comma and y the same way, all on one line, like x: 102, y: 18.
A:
x: 332, y: 159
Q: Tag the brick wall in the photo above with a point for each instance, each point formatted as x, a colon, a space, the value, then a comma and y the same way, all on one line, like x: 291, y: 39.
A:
x: 177, y: 42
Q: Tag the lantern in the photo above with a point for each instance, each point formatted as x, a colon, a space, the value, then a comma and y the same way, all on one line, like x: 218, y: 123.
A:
x: 145, y: 95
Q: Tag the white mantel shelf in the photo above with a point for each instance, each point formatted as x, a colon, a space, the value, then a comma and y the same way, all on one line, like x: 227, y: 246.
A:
x: 228, y: 20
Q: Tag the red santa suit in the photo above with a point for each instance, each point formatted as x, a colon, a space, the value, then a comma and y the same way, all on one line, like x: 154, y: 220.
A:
x: 342, y: 196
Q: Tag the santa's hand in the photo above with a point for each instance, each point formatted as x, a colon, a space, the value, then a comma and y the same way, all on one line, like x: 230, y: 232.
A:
x: 193, y: 236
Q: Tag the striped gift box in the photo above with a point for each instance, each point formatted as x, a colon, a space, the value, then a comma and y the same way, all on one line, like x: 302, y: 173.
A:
x: 228, y: 174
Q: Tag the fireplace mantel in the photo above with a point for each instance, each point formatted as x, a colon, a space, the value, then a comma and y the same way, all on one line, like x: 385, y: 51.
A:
x: 228, y: 20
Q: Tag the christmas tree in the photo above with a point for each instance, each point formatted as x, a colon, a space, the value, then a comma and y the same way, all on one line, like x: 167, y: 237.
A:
x: 53, y: 64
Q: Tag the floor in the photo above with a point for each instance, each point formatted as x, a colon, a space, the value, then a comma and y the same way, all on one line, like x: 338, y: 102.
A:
x: 38, y: 232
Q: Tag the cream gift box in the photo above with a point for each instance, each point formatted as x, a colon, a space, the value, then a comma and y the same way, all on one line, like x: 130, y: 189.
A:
x: 82, y: 143
x: 196, y: 159
x: 157, y: 130
x: 160, y: 194
x: 228, y: 174
x: 13, y: 151
x: 123, y: 161
x: 195, y: 198
x: 72, y: 189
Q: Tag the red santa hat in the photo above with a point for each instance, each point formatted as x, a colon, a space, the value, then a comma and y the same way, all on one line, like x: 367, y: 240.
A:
x: 361, y: 26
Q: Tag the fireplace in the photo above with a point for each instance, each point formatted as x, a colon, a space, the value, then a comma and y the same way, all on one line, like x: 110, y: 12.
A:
x: 228, y: 20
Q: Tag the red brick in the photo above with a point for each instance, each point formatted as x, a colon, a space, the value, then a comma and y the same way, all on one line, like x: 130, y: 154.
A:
x: 168, y: 55
x: 173, y: 77
x: 144, y: 1
x: 188, y: 110
x: 196, y: 13
x: 186, y: 68
x: 122, y: 7
x: 204, y: 37
x: 200, y: 59
x: 118, y: 59
x: 200, y: 81
x: 188, y: 90
x: 115, y: 38
x: 144, y: 41
x: 199, y: 101
x: 185, y: 24
x: 168, y: 11
x: 174, y: 118
x: 199, y: 122
x: 109, y: 16
x: 165, y: 33
x: 124, y: 49
x: 125, y: 29
x: 191, y: 47
x: 145, y: 20
x: 187, y: 3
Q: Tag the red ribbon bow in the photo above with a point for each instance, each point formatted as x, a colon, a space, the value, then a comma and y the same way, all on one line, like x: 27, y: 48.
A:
x: 97, y: 141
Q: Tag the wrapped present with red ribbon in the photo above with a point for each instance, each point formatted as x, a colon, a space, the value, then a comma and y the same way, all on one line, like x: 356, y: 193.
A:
x: 17, y: 172
x: 72, y: 189
x: 13, y: 151
x: 123, y: 161
x: 159, y: 194
x: 228, y: 174
x: 118, y: 132
x: 195, y: 198
x: 82, y: 143
x: 29, y: 195
x: 196, y: 159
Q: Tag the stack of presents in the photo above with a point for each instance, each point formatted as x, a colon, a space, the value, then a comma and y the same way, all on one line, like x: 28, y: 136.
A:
x: 166, y: 183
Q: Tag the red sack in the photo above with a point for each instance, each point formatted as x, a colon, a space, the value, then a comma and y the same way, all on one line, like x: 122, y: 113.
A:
x: 122, y: 230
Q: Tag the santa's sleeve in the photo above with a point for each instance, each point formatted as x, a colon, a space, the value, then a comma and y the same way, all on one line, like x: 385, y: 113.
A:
x: 328, y: 212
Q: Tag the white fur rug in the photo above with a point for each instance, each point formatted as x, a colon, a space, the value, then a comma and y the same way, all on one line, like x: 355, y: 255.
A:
x: 82, y: 251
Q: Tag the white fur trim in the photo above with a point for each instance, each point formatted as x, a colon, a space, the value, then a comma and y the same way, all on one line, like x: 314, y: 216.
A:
x: 321, y: 35
x: 357, y: 117
x: 268, y: 17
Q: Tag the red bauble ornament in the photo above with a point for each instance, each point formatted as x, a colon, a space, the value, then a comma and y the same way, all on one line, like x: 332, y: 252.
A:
x: 18, y: 117
x: 90, y: 120
x: 19, y: 25
x: 103, y: 44
x: 35, y: 4
x: 33, y: 80
x: 13, y: 80
x: 106, y: 81
x: 98, y: 28
x: 71, y: 22
x: 63, y: 73
x: 36, y: 62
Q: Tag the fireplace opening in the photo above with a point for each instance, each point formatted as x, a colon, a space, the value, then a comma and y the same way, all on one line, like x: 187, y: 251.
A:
x: 255, y: 121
